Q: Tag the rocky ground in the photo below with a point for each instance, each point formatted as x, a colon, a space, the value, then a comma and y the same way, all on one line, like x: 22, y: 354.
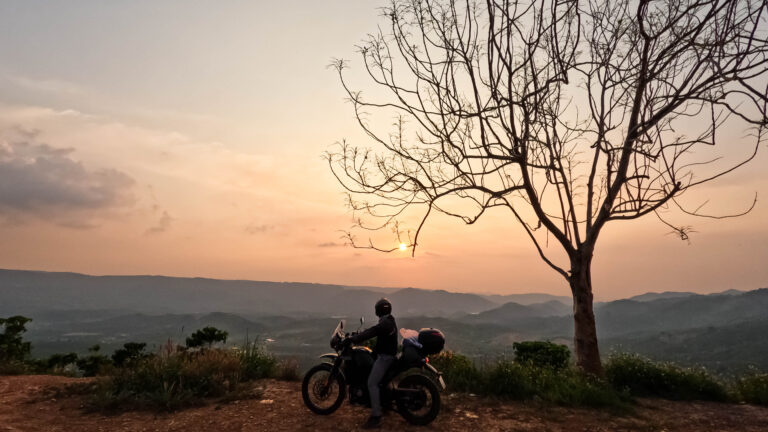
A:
x: 27, y: 403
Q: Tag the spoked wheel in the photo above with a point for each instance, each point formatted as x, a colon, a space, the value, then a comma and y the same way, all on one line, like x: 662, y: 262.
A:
x: 419, y: 404
x: 322, y: 393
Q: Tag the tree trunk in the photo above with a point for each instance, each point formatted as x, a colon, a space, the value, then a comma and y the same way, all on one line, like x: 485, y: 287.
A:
x: 585, y: 332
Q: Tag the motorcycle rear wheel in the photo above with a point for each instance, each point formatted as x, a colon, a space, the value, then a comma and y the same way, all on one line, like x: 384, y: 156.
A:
x: 423, y: 408
x: 322, y: 393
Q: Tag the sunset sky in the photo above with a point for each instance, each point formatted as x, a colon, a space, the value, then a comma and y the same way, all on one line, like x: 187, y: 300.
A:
x: 186, y: 139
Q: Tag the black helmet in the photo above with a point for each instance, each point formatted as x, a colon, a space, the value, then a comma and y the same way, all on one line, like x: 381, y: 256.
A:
x: 383, y: 307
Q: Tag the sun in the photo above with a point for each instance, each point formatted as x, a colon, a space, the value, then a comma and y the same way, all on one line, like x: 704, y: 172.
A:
x: 403, y: 246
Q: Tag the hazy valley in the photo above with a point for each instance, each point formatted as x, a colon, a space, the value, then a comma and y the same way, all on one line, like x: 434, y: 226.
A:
x: 71, y: 312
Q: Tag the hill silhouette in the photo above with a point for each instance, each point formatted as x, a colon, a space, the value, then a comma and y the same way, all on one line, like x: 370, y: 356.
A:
x: 72, y: 312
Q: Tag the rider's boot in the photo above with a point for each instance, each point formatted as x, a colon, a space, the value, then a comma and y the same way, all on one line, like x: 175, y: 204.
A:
x: 372, y: 422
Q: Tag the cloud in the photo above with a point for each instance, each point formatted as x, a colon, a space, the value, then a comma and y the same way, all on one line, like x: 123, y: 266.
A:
x: 43, y: 85
x: 45, y: 181
x: 195, y: 179
x: 253, y: 228
x: 330, y: 244
x: 162, y: 225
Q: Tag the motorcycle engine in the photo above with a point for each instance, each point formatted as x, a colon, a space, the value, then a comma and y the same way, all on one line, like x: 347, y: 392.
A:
x: 357, y: 395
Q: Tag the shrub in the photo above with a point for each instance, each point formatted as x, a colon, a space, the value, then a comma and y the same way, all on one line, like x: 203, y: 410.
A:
x: 206, y: 336
x: 642, y: 377
x: 13, y: 349
x: 177, y: 378
x: 61, y: 364
x: 14, y: 367
x: 514, y: 380
x: 130, y: 353
x: 171, y: 381
x: 542, y: 354
x: 459, y: 372
x: 509, y: 380
x: 95, y: 363
x: 753, y: 388
x: 257, y: 362
x: 287, y: 370
x: 58, y: 361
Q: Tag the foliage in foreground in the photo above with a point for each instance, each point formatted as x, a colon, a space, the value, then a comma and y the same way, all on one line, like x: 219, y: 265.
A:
x: 514, y: 380
x: 540, y: 371
x: 524, y: 380
x: 626, y: 376
x: 542, y: 354
x: 177, y: 378
x: 643, y: 377
x: 171, y: 380
x: 753, y: 388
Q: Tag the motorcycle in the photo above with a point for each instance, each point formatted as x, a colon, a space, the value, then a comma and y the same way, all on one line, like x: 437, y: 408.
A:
x: 411, y: 387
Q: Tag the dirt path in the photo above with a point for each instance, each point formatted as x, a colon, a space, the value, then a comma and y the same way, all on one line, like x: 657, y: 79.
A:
x: 24, y: 406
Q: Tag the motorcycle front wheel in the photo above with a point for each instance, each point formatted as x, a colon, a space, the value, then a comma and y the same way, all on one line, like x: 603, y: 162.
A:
x: 419, y: 404
x: 322, y: 393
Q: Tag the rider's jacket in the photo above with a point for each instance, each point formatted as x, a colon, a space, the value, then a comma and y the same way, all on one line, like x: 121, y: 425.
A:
x: 386, y: 336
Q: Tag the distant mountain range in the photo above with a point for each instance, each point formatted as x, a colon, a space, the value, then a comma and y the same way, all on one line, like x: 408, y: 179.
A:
x: 676, y: 294
x: 35, y: 291
x: 73, y: 311
x: 527, y: 299
x: 517, y: 311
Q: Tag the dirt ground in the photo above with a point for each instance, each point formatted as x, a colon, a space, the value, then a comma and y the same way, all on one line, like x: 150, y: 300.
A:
x: 27, y: 404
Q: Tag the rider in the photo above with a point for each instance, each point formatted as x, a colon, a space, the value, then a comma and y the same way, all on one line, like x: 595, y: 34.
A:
x: 385, y: 350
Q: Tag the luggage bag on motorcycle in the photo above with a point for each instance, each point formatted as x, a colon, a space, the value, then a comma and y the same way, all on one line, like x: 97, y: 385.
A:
x: 432, y: 341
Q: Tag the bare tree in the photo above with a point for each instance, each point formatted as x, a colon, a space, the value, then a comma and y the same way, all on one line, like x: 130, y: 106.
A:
x: 569, y: 114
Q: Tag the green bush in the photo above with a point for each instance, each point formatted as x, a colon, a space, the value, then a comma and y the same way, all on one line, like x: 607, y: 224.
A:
x: 542, y: 354
x: 59, y: 361
x: 459, y: 372
x: 514, y: 380
x: 131, y: 352
x: 521, y: 381
x: 95, y: 363
x: 642, y: 377
x: 753, y: 388
x: 13, y: 349
x: 171, y: 381
x: 508, y: 379
x: 207, y: 336
x: 257, y: 362
x: 178, y: 377
x: 61, y: 364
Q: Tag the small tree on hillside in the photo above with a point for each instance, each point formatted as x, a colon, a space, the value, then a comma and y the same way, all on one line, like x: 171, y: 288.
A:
x: 570, y: 114
x: 12, y: 346
x: 207, y: 336
x: 131, y: 352
x: 94, y: 362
